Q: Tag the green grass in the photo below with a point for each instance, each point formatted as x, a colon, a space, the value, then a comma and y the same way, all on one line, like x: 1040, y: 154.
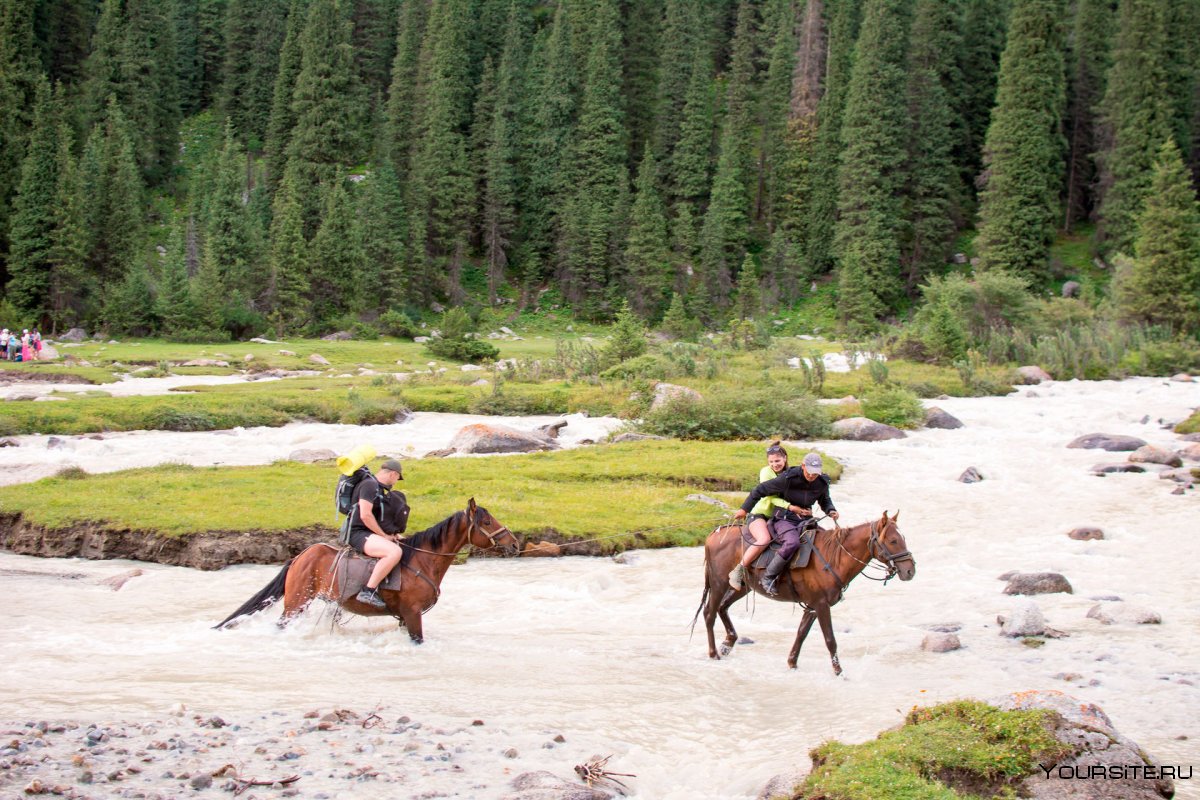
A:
x: 611, y: 490
x: 1189, y: 425
x: 955, y: 750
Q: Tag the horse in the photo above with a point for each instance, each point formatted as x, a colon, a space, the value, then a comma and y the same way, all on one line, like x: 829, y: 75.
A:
x: 427, y: 555
x: 839, y: 555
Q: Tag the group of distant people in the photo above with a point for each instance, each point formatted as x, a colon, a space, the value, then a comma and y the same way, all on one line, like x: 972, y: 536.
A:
x: 23, y: 346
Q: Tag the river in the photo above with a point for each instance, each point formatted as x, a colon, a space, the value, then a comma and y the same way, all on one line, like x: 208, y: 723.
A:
x: 601, y: 652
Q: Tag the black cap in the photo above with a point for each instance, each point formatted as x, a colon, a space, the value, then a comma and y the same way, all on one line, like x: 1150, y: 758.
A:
x: 394, y: 466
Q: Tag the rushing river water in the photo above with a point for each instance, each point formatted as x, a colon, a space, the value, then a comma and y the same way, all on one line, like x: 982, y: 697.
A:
x: 601, y: 652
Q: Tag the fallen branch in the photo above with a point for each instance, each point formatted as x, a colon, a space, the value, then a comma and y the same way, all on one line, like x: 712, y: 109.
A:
x: 595, y: 772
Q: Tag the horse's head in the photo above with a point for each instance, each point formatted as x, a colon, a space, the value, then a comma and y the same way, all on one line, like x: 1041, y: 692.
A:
x: 888, y: 546
x: 487, y: 532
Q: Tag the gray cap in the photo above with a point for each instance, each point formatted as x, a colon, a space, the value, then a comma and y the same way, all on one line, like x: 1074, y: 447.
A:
x: 812, y: 463
x: 394, y: 466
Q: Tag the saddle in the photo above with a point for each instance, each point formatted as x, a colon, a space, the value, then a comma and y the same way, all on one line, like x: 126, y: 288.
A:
x: 803, y: 553
x: 352, y: 572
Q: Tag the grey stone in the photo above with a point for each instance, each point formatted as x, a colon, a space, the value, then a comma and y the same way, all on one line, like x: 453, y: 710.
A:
x: 1149, y: 454
x: 1182, y: 377
x: 1108, y: 469
x: 552, y: 430
x: 311, y: 456
x: 1071, y: 289
x: 445, y: 451
x: 1191, y: 452
x: 482, y: 438
x: 937, y: 418
x: 547, y: 786
x: 338, y: 336
x: 1119, y: 612
x: 1025, y: 620
x: 940, y: 642
x: 861, y: 429
x: 1113, y: 443
x: 1084, y: 534
x: 960, y: 258
x: 1184, y: 475
x: 9, y: 443
x: 1033, y: 374
x: 633, y: 436
x: 55, y: 443
x: 1038, y: 583
x: 664, y: 393
x: 783, y: 784
x: 970, y: 475
x: 703, y: 498
x: 74, y: 335
x: 205, y: 362
x: 317, y: 358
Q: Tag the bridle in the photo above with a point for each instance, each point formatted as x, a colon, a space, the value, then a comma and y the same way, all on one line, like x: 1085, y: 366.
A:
x: 492, y: 536
x: 878, y: 551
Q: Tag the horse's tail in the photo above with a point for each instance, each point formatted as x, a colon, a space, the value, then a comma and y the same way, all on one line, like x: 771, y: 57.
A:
x: 268, y: 595
x: 703, y: 596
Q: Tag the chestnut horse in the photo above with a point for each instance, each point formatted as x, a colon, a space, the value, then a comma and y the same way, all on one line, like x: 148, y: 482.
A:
x: 427, y: 556
x: 838, y: 556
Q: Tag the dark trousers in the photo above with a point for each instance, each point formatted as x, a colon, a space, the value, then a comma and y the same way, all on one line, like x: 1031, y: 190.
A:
x: 788, y: 528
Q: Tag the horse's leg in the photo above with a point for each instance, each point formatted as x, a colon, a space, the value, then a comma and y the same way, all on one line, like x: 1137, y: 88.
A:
x: 710, y: 613
x: 826, y: 621
x: 731, y: 636
x: 801, y: 634
x: 410, y: 618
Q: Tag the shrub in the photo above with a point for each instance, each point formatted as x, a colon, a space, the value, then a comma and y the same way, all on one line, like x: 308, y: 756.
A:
x: 987, y: 302
x: 242, y: 322
x: 198, y: 336
x: 364, y: 331
x: 628, y: 339
x: 752, y: 413
x: 1165, y: 357
x: 508, y: 403
x: 397, y: 323
x: 469, y: 350
x: 373, y: 412
x: 893, y: 405
x: 1189, y: 425
x: 176, y: 419
x: 644, y: 366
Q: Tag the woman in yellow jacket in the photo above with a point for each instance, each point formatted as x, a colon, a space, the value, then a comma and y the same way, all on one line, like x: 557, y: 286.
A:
x: 777, y: 462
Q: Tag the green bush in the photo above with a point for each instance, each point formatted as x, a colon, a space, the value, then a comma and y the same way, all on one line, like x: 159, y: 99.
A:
x: 751, y: 413
x: 364, y: 331
x: 175, y: 419
x: 397, y: 323
x: 1165, y: 357
x: 198, y: 336
x: 1189, y: 425
x: 471, y: 351
x: 644, y: 366
x: 373, y: 412
x: 509, y: 403
x: 628, y: 339
x: 893, y: 405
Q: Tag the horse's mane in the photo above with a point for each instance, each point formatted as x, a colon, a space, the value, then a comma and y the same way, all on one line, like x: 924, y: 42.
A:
x: 428, y: 539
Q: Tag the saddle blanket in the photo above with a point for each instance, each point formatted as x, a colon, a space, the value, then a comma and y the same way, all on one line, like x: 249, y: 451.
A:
x: 354, y: 570
x: 799, y: 560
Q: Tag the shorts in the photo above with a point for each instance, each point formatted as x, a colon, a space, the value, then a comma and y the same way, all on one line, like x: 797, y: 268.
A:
x: 358, y: 539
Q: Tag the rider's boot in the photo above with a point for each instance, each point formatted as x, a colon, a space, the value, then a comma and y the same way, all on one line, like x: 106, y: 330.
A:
x: 371, y: 597
x: 771, y: 576
x: 737, y: 577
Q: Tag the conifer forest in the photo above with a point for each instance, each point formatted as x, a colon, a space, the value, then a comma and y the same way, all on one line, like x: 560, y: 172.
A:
x: 229, y: 167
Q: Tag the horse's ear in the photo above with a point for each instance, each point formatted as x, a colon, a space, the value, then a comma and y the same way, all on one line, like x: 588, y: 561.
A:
x: 884, y: 521
x: 471, y: 505
x: 896, y: 516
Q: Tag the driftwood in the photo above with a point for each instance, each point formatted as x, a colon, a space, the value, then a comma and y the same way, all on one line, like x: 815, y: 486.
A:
x: 237, y: 784
x: 595, y: 772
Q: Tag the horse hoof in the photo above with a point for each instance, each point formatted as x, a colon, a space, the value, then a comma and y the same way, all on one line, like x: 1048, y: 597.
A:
x: 714, y: 656
x: 725, y: 649
x: 791, y: 665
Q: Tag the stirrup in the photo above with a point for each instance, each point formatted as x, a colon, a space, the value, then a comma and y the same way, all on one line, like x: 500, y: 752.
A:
x: 737, y: 576
x: 371, y: 597
x: 769, y: 586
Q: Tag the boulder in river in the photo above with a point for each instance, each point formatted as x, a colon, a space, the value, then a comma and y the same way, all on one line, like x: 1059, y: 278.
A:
x: 1085, y: 534
x: 861, y: 429
x: 940, y: 642
x: 1121, y: 612
x: 544, y: 785
x: 1024, y: 620
x: 1033, y: 374
x: 1182, y: 377
x: 552, y: 430
x: 1113, y: 443
x: 482, y: 438
x: 1190, y: 453
x: 1038, y: 583
x: 1149, y: 454
x: 1108, y: 469
x: 970, y: 475
x: 937, y: 418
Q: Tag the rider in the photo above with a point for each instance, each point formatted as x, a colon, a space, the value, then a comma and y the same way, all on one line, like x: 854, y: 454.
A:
x: 367, y: 535
x: 777, y: 462
x: 800, y: 487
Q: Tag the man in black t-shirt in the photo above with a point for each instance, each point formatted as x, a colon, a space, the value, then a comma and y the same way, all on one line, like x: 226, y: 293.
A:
x: 366, y: 534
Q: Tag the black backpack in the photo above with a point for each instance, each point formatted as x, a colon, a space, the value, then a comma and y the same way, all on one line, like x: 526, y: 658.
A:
x: 343, y: 497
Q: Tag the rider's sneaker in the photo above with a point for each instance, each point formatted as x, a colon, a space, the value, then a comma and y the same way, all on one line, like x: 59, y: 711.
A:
x: 371, y: 597
x: 737, y: 577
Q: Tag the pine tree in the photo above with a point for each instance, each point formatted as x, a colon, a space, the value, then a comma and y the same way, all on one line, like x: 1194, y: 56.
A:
x: 383, y: 217
x: 18, y: 87
x: 691, y: 160
x: 1138, y: 115
x: 200, y: 47
x: 1162, y: 286
x: 676, y: 323
x: 174, y: 304
x: 33, y: 218
x: 684, y: 247
x: 336, y: 259
x: 545, y: 155
x: 374, y: 42
x: 111, y: 193
x: 288, y: 285
x: 642, y: 32
x: 748, y: 301
x: 591, y: 219
x: 680, y: 48
x: 283, y: 116
x: 933, y: 193
x: 254, y: 33
x: 402, y: 103
x: 647, y: 253
x: 1089, y: 62
x: 723, y: 236
x: 1024, y: 152
x: 69, y: 282
x: 821, y: 213
x: 867, y: 234
x: 442, y: 182
x: 773, y: 114
x: 328, y: 101
x: 227, y: 231
x: 64, y: 29
x: 983, y: 27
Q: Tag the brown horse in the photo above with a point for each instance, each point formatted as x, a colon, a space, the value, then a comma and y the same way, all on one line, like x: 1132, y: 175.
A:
x: 427, y: 555
x: 838, y: 556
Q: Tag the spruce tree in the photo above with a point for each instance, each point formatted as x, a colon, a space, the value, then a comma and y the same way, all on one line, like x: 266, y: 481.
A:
x: 724, y: 233
x: 1023, y: 155
x: 1089, y: 60
x: 821, y: 212
x: 374, y: 41
x: 867, y: 234
x: 1162, y: 286
x: 590, y: 224
x: 983, y: 27
x: 336, y: 260
x: 111, y: 190
x: 328, y: 101
x: 748, y: 300
x: 254, y: 34
x: 64, y: 29
x: 33, y: 218
x: 647, y: 253
x: 643, y: 28
x: 69, y: 282
x: 283, y: 117
x: 773, y: 114
x: 680, y: 45
x: 18, y: 86
x: 691, y: 160
x: 227, y: 238
x: 402, y: 103
x: 383, y: 217
x: 933, y: 193
x: 1138, y: 115
x: 287, y: 294
x: 174, y: 303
